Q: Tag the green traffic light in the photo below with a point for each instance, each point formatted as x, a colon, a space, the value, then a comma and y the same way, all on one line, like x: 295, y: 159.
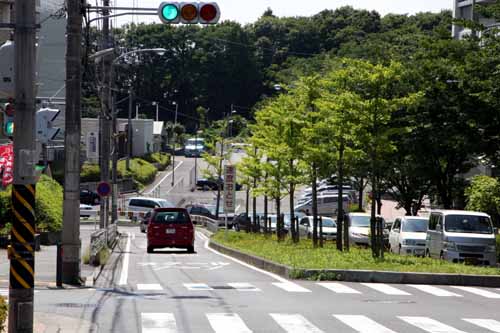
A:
x: 9, y: 128
x: 169, y: 12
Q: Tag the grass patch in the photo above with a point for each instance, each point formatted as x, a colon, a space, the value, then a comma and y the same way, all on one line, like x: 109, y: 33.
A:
x: 304, y: 256
x: 3, y: 313
x: 103, y: 256
x: 86, y: 256
x: 140, y: 170
x: 162, y: 160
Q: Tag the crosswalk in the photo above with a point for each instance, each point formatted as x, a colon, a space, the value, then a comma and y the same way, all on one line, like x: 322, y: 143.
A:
x: 297, y: 323
x: 361, y: 289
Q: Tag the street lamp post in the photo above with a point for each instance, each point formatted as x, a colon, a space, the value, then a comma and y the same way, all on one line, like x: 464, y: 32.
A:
x: 175, y: 139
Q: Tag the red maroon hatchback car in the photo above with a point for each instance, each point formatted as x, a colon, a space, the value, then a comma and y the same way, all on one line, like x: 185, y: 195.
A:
x: 170, y: 227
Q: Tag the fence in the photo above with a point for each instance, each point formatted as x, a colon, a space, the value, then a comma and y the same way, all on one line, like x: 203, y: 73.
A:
x: 102, y: 239
x: 211, y: 225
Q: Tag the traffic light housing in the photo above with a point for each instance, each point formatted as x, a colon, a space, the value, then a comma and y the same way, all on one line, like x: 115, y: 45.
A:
x: 189, y: 12
x: 45, y: 131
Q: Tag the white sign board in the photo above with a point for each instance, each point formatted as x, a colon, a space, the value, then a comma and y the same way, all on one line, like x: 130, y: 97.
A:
x: 229, y: 188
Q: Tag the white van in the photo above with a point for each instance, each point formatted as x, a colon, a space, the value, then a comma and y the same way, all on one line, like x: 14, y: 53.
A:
x: 327, y: 205
x: 461, y: 236
x: 145, y: 204
x: 408, y: 234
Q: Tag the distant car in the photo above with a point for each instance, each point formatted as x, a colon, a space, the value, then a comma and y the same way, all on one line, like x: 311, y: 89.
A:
x: 211, y: 184
x: 87, y: 211
x: 144, y: 222
x: 142, y: 205
x: 170, y: 227
x: 88, y: 197
x: 194, y: 147
x: 359, y: 228
x: 408, y: 234
x: 329, y: 227
x: 200, y: 210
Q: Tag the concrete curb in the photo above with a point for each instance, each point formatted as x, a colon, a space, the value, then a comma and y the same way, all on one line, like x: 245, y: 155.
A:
x: 492, y: 281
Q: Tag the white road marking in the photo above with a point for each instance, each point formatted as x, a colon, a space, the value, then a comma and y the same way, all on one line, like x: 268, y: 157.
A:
x: 227, y: 323
x: 386, y: 289
x: 430, y: 325
x: 291, y: 287
x: 274, y: 276
x: 477, y: 291
x: 295, y: 323
x: 489, y: 324
x: 163, y: 179
x: 338, y: 288
x: 149, y: 286
x: 133, y: 236
x: 363, y: 324
x: 434, y: 290
x: 126, y: 259
x: 243, y: 286
x: 197, y: 286
x: 158, y: 323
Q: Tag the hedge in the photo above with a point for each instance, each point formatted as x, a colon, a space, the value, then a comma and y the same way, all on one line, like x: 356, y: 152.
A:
x: 90, y: 173
x: 142, y: 171
x: 162, y: 160
x: 3, y: 313
x: 48, y: 205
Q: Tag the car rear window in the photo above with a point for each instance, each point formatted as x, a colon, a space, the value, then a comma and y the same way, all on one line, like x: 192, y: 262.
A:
x: 171, y: 217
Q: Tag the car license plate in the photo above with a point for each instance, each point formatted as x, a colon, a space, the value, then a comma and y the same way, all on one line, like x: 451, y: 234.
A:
x: 170, y: 231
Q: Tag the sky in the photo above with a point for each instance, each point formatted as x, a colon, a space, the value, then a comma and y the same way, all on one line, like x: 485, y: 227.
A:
x: 248, y: 11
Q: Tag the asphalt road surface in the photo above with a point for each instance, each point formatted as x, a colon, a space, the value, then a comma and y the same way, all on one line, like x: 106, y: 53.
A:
x: 172, y: 291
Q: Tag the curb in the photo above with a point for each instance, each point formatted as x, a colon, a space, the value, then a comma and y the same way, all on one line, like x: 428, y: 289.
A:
x: 367, y: 276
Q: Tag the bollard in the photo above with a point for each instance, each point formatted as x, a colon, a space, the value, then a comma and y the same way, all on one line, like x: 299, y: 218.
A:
x: 59, y: 264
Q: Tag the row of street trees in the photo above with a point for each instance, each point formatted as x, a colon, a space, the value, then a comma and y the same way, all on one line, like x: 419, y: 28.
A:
x: 413, y: 126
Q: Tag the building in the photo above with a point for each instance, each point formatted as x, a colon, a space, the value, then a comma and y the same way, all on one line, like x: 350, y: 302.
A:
x: 464, y: 9
x: 159, y: 136
x: 142, y: 137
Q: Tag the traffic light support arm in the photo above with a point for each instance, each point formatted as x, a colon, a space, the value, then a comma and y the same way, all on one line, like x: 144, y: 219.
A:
x: 117, y: 15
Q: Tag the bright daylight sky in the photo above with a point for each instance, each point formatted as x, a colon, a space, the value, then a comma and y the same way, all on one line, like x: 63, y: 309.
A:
x: 248, y: 11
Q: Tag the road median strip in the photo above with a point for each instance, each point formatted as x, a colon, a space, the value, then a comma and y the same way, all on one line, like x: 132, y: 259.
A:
x: 357, y: 275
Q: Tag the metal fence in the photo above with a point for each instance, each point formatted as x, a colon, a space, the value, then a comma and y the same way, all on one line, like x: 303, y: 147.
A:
x: 211, y: 225
x: 100, y: 240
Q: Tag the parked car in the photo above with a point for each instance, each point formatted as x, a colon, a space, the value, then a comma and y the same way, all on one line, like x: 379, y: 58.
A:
x: 88, y: 197
x: 87, y: 211
x: 327, y: 205
x: 222, y: 215
x: 170, y: 227
x: 329, y: 227
x: 145, y: 204
x: 407, y: 235
x: 200, y: 210
x: 194, y: 147
x: 144, y: 222
x: 208, y: 184
x: 461, y: 236
x: 359, y: 228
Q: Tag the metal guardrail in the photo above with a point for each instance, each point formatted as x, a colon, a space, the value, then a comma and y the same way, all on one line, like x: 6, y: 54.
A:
x: 210, y: 224
x: 112, y: 233
x: 97, y: 243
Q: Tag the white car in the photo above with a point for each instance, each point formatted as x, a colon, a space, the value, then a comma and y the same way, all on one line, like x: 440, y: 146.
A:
x: 408, y: 234
x: 142, y: 205
x: 359, y: 228
x: 87, y: 211
x: 329, y: 227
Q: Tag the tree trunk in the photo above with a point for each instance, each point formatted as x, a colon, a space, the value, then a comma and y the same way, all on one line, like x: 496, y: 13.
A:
x: 254, y: 207
x: 360, y: 194
x: 373, y: 215
x: 265, y: 214
x: 292, y: 211
x: 278, y: 214
x: 340, y: 201
x: 247, y: 208
x: 315, y: 205
x: 320, y: 231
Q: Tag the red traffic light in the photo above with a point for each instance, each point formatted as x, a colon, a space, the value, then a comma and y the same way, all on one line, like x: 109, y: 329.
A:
x: 209, y: 12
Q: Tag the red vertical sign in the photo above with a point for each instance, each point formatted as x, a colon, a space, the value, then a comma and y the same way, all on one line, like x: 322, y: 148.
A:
x: 7, y: 164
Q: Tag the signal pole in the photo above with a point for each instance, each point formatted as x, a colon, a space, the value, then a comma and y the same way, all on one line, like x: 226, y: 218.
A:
x: 105, y: 123
x: 71, y: 243
x: 22, y: 252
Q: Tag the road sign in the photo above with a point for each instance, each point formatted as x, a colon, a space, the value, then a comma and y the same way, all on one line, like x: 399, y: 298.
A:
x: 229, y: 188
x: 103, y: 189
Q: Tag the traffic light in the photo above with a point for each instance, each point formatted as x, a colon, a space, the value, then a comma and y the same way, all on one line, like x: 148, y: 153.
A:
x: 189, y: 12
x: 8, y: 119
x: 45, y: 132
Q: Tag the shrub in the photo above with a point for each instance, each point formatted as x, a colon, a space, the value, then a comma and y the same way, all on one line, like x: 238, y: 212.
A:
x: 161, y: 160
x: 90, y: 173
x: 142, y: 171
x: 48, y: 205
x: 498, y: 247
x: 3, y: 313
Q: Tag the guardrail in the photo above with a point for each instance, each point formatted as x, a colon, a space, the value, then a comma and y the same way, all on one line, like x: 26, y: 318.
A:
x: 97, y: 243
x: 210, y: 224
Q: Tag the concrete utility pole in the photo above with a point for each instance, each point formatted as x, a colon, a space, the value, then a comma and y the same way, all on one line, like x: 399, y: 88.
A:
x: 71, y: 207
x: 129, y: 127
x: 114, y: 193
x: 105, y: 123
x: 22, y: 249
x: 175, y: 140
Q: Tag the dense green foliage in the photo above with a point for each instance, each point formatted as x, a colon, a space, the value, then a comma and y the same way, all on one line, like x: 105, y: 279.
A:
x: 483, y: 195
x: 141, y: 171
x: 161, y: 160
x: 303, y: 256
x: 90, y: 173
x: 4, y: 309
x: 49, y: 205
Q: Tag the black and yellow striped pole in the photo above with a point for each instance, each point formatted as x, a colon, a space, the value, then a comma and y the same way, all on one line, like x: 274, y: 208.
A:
x: 21, y: 251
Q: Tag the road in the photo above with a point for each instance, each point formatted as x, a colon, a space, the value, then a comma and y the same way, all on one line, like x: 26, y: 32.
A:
x: 172, y: 291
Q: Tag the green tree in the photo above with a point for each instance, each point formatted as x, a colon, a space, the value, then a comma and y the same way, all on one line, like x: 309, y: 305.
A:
x: 483, y: 195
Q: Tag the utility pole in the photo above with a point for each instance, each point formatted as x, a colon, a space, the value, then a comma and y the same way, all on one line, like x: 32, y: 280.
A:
x: 22, y: 249
x: 175, y: 139
x: 137, y: 111
x: 114, y: 167
x: 71, y: 243
x: 105, y: 124
x: 129, y: 127
x: 157, y: 106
